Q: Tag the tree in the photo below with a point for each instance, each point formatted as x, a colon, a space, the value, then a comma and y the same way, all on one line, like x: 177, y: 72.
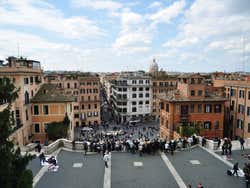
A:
x: 188, y: 130
x: 57, y: 130
x: 13, y: 172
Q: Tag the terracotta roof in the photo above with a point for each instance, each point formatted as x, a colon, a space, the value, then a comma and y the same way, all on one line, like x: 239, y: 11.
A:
x: 50, y: 93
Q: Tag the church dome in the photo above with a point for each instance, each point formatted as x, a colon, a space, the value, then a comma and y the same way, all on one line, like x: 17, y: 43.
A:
x: 153, y: 67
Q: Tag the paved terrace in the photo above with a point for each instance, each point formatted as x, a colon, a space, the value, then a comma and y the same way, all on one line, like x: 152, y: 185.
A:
x: 128, y: 170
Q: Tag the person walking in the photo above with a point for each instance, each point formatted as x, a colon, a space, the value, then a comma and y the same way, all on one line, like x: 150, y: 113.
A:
x: 140, y: 147
x: 85, y: 148
x: 106, y: 159
x: 235, y: 169
x: 242, y: 141
x: 42, y: 158
x: 219, y: 142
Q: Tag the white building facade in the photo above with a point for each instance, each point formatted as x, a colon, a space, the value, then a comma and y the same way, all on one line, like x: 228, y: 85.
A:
x: 131, y: 97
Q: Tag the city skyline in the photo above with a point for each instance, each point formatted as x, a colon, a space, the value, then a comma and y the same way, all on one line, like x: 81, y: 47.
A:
x: 106, y: 36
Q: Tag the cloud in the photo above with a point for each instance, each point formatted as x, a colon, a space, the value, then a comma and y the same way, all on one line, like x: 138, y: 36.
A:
x: 181, y: 42
x: 167, y: 14
x: 43, y: 15
x: 219, y: 18
x: 155, y: 4
x: 98, y: 4
x: 134, y: 36
x: 212, y: 30
x: 52, y: 55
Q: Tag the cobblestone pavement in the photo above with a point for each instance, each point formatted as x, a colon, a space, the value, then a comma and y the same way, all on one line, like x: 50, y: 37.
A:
x: 192, y: 166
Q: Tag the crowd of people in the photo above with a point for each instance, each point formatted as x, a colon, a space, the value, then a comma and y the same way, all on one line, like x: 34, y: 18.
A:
x: 142, y: 140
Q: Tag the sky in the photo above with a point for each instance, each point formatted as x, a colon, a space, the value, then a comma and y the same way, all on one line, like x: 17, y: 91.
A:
x: 125, y: 35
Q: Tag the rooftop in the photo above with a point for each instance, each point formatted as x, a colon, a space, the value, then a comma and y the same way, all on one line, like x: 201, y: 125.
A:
x: 50, y: 93
x: 175, y: 97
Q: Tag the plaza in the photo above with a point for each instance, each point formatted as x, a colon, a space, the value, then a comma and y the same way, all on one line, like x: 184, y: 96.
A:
x: 130, y: 170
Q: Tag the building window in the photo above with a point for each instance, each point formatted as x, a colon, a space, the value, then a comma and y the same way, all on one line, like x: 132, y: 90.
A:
x: 232, y: 92
x: 134, y: 109
x: 200, y: 92
x: 82, y: 106
x: 89, y: 106
x: 147, y: 81
x: 208, y: 108
x: 31, y: 80
x: 248, y: 111
x: 36, y: 110
x: 27, y: 115
x: 147, y: 95
x: 45, y: 109
x: 207, y: 125
x: 26, y: 97
x: 68, y: 85
x: 75, y: 85
x: 241, y: 108
x: 134, y: 103
x: 167, y: 107
x: 199, y: 108
x: 248, y: 95
x: 37, y: 128
x: 239, y: 124
x: 191, y: 108
x: 76, y: 107
x: 133, y: 81
x: 216, y: 124
x: 26, y: 80
x: 241, y: 94
x: 217, y: 108
x: 88, y: 98
x: 192, y: 92
x: 140, y: 95
x: 95, y: 114
x: 248, y: 127
x: 134, y: 89
x: 140, y: 81
x: 95, y: 106
x: 89, y: 114
x: 76, y: 115
x: 147, y: 89
x: 134, y: 95
x: 140, y: 102
x: 147, y: 102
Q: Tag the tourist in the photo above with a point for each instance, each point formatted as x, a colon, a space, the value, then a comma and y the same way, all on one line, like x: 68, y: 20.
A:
x: 42, y: 158
x: 106, y: 159
x: 235, y: 169
x: 219, y: 142
x: 242, y: 141
x: 229, y: 147
x: 203, y: 142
